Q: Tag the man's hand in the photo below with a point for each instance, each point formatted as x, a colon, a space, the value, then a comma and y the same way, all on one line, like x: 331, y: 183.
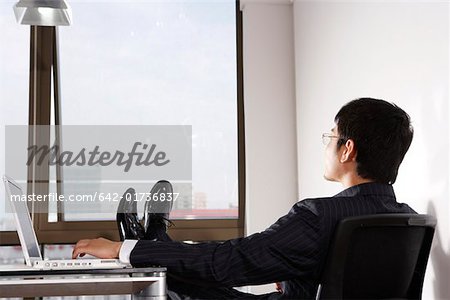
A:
x: 100, y: 247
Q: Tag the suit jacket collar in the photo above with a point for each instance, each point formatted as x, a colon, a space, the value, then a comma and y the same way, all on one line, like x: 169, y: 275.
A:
x: 371, y: 188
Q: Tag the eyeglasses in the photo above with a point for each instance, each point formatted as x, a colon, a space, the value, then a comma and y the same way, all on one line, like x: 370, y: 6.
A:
x: 326, y: 138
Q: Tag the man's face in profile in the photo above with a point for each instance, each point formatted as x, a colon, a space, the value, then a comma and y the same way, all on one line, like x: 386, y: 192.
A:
x: 331, y: 156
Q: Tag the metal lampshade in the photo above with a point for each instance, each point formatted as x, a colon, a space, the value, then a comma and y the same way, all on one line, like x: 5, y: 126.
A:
x: 43, y: 12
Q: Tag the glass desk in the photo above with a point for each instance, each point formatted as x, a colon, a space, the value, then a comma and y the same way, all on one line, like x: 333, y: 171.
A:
x: 141, y: 283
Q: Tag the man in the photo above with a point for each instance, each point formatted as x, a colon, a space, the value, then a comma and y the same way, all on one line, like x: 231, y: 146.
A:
x: 363, y: 152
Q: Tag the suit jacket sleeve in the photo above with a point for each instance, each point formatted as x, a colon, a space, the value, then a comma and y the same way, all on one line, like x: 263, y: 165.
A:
x: 288, y: 249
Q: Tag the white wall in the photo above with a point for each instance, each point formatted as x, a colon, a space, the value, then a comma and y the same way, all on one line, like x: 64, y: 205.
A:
x: 269, y: 99
x: 398, y: 51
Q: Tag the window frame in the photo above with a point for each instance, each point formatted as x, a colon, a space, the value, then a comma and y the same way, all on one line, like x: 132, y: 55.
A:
x: 62, y: 232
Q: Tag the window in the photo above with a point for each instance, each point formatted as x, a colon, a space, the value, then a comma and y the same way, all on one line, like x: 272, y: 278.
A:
x: 158, y: 63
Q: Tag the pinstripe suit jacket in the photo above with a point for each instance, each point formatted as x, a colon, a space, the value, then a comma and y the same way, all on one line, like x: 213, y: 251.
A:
x: 292, y: 250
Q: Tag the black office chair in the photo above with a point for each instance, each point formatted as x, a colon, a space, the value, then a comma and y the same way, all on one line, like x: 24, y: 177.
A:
x: 378, y: 257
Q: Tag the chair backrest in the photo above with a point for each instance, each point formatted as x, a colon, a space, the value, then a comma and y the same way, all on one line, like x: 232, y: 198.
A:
x: 378, y: 257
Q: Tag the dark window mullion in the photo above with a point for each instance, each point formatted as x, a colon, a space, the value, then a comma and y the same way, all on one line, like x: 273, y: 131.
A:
x: 41, y: 61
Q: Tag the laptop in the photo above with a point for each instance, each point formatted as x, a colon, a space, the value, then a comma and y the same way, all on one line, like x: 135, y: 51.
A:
x: 29, y: 243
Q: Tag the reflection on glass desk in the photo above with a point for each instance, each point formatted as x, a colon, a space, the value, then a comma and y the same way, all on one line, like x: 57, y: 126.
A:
x: 140, y: 283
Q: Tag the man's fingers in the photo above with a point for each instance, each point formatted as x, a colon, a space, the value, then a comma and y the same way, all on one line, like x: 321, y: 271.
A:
x: 77, y: 251
x: 82, y: 242
x: 80, y: 248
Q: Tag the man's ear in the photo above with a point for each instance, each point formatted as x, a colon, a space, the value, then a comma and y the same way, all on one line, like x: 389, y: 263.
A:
x: 349, y: 153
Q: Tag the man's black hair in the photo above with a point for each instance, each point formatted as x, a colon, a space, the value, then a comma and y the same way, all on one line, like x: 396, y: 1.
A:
x: 382, y: 134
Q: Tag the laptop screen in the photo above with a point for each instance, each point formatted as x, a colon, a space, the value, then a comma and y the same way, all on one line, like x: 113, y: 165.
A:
x: 27, y: 236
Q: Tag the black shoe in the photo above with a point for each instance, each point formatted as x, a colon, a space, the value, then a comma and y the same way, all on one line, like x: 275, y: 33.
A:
x: 157, y: 210
x: 127, y: 219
